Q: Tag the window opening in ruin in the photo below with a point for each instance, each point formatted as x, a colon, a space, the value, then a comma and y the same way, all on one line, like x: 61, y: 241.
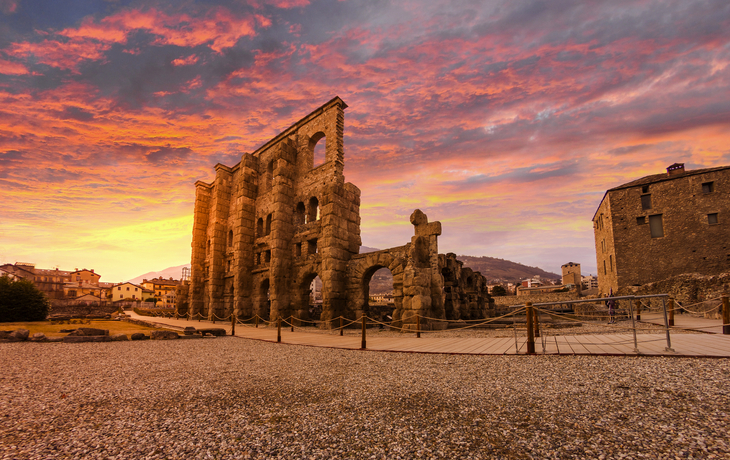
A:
x: 208, y: 245
x: 318, y: 147
x: 712, y: 218
x: 610, y: 262
x: 655, y: 225
x: 645, y: 201
x: 378, y: 299
x: 228, y: 265
x: 298, y: 250
x: 313, y: 209
x: 230, y: 238
x: 641, y: 220
x: 267, y: 256
x: 605, y: 272
x: 268, y: 224
x: 270, y: 174
x: 260, y: 227
x: 300, y: 214
x: 312, y: 246
x: 645, y: 189
x: 708, y: 187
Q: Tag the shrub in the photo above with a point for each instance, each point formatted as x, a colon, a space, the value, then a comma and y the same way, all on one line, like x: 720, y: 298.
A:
x: 499, y: 291
x: 20, y: 300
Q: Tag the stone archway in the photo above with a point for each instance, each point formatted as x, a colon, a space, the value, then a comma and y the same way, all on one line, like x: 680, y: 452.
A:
x: 360, y: 271
x: 303, y: 307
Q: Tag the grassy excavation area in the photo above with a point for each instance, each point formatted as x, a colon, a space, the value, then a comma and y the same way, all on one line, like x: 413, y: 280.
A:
x: 53, y: 328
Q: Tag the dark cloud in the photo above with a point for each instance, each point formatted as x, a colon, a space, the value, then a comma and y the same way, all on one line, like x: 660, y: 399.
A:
x: 76, y: 113
x: 168, y: 154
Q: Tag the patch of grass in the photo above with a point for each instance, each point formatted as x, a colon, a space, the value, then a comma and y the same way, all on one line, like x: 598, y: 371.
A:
x: 53, y: 330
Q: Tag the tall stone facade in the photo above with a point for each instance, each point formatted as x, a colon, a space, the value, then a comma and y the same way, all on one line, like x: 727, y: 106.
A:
x: 663, y: 225
x: 266, y: 227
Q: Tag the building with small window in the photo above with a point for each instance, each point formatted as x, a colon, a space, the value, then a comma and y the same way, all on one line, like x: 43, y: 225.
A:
x: 129, y: 291
x: 662, y: 226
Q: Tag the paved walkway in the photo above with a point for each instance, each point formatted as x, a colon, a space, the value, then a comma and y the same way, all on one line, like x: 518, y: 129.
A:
x: 697, y: 345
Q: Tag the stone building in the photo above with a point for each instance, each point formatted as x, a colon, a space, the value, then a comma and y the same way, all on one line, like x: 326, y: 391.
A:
x: 265, y: 228
x: 571, y: 274
x: 663, y: 225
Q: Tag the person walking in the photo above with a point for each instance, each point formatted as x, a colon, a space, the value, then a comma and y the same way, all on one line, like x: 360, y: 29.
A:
x: 611, y: 304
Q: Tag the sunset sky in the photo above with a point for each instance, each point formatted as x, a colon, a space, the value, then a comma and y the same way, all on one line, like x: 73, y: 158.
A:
x: 504, y: 120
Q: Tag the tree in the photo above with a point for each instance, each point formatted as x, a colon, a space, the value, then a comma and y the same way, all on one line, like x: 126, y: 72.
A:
x: 20, y: 300
x: 499, y: 290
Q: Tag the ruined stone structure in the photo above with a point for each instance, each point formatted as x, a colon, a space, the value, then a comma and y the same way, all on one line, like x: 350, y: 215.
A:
x: 266, y: 227
x: 662, y: 226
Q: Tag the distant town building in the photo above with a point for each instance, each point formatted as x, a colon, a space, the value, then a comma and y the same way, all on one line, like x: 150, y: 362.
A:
x: 129, y: 291
x: 571, y: 273
x: 163, y: 289
x: 590, y: 282
x: 663, y: 225
x: 49, y: 281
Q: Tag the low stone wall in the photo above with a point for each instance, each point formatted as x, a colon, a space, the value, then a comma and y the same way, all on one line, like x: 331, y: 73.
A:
x: 689, y: 288
x: 73, y: 309
x: 507, y: 301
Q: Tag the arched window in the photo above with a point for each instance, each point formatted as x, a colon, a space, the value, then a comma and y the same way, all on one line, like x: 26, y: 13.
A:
x: 299, y: 214
x: 318, y: 147
x: 260, y: 228
x: 268, y: 224
x: 313, y: 209
x: 230, y: 238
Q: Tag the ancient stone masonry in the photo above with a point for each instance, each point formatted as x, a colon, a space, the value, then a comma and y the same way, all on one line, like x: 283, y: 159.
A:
x: 266, y: 227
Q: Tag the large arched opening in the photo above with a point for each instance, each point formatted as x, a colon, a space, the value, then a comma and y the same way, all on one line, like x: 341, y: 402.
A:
x: 379, y: 293
x: 318, y: 147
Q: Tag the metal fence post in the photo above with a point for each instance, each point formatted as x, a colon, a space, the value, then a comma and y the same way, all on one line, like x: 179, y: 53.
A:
x: 633, y: 323
x: 666, y: 324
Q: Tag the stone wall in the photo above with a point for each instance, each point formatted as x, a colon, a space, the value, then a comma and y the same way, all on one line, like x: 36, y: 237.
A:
x: 74, y: 309
x: 688, y: 288
x: 506, y: 301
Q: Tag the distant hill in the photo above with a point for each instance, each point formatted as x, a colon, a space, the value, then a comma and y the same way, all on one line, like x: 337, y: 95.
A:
x: 492, y: 268
x: 172, y: 272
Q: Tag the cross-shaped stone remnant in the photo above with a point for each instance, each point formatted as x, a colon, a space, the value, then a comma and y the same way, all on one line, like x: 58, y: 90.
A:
x: 422, y: 226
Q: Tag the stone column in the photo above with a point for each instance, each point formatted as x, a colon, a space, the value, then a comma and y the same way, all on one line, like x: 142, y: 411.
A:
x: 244, y: 235
x: 282, y: 230
x: 199, y: 245
x: 220, y: 203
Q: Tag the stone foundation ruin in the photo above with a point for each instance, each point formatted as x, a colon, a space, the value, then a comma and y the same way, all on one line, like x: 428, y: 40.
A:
x: 266, y: 227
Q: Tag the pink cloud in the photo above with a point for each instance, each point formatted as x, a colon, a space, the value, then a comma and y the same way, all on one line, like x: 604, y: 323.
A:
x: 192, y: 59
x: 12, y: 68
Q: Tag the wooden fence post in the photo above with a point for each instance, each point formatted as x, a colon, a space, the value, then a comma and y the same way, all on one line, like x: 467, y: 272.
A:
x: 418, y: 327
x: 362, y: 344
x: 233, y: 324
x: 278, y: 331
x: 256, y: 320
x: 725, y: 314
x: 530, y: 330
x: 670, y: 311
x: 637, y: 302
x: 291, y: 318
x: 342, y: 331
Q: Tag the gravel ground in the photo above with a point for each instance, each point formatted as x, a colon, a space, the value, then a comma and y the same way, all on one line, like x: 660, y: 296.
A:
x: 237, y: 398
